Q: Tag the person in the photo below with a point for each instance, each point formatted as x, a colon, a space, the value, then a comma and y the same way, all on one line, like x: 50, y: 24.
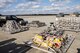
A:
x: 52, y: 26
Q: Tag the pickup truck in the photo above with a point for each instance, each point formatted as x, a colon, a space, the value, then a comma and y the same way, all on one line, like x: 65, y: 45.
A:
x: 3, y: 20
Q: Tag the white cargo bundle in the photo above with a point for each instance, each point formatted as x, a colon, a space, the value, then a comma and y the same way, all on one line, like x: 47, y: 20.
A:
x: 12, y: 26
x: 69, y: 23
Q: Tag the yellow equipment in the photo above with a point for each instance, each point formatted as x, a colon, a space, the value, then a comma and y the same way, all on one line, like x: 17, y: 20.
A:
x: 50, y: 41
x: 38, y: 39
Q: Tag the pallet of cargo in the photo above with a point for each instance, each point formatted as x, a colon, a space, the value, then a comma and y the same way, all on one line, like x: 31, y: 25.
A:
x: 36, y: 24
x: 70, y: 24
x: 63, y: 49
x: 13, y: 27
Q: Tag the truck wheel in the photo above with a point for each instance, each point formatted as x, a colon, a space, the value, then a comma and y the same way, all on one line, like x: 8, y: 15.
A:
x: 1, y: 25
x: 22, y: 22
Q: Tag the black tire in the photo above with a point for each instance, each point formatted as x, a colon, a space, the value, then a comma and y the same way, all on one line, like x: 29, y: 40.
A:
x: 1, y: 25
x: 22, y: 22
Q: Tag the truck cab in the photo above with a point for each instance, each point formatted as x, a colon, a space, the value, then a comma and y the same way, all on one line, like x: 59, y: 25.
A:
x: 13, y: 17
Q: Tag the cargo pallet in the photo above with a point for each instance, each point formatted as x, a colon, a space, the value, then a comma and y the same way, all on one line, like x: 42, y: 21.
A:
x: 13, y: 27
x: 63, y: 49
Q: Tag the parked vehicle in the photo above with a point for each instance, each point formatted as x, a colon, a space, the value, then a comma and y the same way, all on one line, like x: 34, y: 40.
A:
x: 4, y: 19
x: 60, y: 15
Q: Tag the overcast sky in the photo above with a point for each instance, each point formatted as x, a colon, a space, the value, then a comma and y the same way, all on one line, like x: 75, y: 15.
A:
x: 38, y: 6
